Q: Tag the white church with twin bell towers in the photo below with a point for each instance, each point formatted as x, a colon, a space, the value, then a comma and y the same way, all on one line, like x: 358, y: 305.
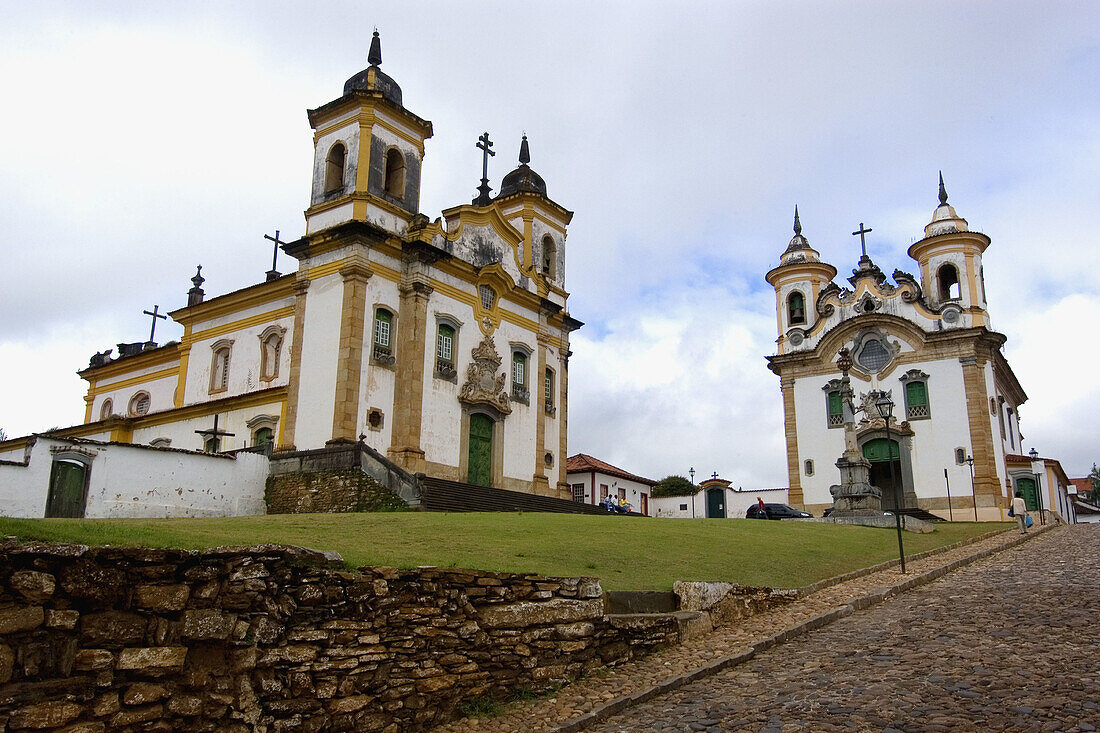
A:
x: 926, y: 341
x: 442, y: 345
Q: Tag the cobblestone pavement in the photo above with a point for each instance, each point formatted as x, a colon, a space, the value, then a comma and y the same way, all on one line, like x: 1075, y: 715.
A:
x: 1007, y: 643
x: 577, y: 699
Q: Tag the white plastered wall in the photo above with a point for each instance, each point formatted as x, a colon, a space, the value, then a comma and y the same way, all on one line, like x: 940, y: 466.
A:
x: 320, y: 342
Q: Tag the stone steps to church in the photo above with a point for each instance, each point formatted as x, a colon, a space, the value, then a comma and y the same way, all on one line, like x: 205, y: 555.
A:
x: 442, y: 495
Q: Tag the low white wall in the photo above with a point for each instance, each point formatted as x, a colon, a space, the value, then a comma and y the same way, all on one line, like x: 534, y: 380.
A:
x: 736, y: 503
x: 139, y: 481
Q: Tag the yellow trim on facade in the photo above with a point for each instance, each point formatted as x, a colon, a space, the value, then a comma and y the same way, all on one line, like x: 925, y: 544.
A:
x: 99, y: 388
x: 227, y: 404
x: 117, y: 368
x: 368, y: 118
x: 329, y: 268
x: 249, y: 297
x: 285, y: 312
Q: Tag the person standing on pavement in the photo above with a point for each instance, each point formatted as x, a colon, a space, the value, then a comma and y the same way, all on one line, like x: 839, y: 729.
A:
x: 1019, y: 510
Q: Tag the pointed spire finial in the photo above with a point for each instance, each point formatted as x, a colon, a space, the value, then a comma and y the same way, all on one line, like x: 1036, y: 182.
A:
x: 374, y: 56
x: 943, y: 191
x: 797, y: 223
x: 524, y: 152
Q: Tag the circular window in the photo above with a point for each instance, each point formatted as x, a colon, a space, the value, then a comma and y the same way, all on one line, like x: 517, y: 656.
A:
x: 873, y: 356
x: 950, y: 315
x: 139, y: 403
x: 796, y: 338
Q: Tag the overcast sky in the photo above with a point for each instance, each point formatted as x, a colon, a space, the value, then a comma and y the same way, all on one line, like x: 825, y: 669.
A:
x: 141, y: 139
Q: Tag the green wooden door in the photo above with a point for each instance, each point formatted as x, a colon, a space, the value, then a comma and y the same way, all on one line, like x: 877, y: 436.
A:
x: 886, y: 471
x: 480, y: 466
x: 716, y: 504
x: 66, y: 495
x: 876, y: 451
x: 1026, y: 487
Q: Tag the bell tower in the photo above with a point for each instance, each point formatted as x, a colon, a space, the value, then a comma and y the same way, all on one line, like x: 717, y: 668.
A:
x: 950, y: 259
x: 368, y: 151
x: 799, y: 279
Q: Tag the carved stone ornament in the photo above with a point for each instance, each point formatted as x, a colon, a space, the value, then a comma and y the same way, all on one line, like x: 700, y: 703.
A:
x: 483, y: 386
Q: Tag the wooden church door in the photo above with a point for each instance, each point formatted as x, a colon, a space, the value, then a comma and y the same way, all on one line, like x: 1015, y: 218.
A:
x: 66, y: 494
x: 480, y: 465
x: 1026, y: 487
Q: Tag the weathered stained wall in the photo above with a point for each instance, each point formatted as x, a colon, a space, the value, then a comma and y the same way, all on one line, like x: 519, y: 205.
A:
x: 272, y: 638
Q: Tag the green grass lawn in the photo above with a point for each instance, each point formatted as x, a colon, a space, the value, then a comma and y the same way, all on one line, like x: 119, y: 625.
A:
x: 625, y: 553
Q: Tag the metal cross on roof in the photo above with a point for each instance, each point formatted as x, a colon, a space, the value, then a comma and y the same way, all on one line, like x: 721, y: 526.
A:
x: 273, y: 273
x: 485, y: 145
x: 155, y: 315
x: 714, y: 475
x: 212, y: 444
x: 862, y: 242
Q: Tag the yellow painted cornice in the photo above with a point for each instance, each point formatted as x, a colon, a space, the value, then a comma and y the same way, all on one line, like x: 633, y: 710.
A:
x: 144, y: 360
x: 366, y: 102
x: 490, y: 216
x: 783, y: 274
x: 250, y: 297
x: 971, y: 242
x: 272, y: 315
x: 353, y: 198
x: 98, y: 388
x: 545, y: 203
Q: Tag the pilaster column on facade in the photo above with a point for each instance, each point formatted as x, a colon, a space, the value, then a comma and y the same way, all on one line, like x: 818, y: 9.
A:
x: 540, y: 482
x: 564, y: 490
x: 987, y: 483
x: 286, y: 426
x: 185, y: 358
x: 349, y: 366
x: 408, y: 409
x: 88, y: 400
x: 790, y: 428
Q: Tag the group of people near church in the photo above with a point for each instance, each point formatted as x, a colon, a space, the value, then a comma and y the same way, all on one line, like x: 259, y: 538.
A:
x: 619, y: 505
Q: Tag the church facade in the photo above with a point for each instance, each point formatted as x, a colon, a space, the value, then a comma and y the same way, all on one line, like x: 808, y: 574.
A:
x: 926, y: 341
x: 442, y: 345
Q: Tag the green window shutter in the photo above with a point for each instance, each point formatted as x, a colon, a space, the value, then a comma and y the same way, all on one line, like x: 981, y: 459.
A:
x: 916, y: 394
x: 383, y: 325
x: 519, y: 369
x: 445, y: 343
x: 835, y: 406
x: 548, y: 382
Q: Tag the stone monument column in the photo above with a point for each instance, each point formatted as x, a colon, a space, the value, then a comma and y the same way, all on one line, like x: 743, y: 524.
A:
x: 854, y: 496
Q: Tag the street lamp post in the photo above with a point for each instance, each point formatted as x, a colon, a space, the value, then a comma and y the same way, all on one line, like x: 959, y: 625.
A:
x: 691, y: 472
x: 885, y: 407
x: 1037, y: 468
x: 973, y: 491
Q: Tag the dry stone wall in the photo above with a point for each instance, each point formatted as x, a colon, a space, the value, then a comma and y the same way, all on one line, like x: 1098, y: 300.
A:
x: 274, y: 638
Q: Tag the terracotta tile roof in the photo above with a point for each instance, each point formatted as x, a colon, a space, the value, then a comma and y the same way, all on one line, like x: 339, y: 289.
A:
x: 1083, y: 484
x: 585, y: 462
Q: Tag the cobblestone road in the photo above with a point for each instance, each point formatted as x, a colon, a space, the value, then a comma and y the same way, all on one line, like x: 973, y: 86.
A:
x: 1009, y: 643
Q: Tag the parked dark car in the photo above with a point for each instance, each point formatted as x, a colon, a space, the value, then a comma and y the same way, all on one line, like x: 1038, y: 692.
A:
x: 774, y: 511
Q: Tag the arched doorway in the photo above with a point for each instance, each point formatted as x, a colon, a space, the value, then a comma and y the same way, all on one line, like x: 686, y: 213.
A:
x: 479, y: 467
x: 68, y: 488
x: 883, y: 455
x: 1026, y: 487
x: 716, y: 503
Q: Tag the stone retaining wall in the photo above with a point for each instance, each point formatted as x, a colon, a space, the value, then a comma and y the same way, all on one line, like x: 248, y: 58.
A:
x: 274, y: 638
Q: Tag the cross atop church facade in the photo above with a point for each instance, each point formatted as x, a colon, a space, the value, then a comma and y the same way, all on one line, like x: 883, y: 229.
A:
x: 212, y: 438
x: 273, y: 273
x: 485, y: 145
x: 714, y: 475
x: 155, y: 315
x: 862, y: 241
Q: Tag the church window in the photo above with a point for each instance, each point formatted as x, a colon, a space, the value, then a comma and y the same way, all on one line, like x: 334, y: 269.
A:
x: 219, y: 366
x: 1001, y: 421
x: 948, y: 278
x: 271, y: 345
x: 106, y: 409
x: 383, y: 335
x: 873, y: 356
x: 488, y: 297
x: 548, y: 390
x: 519, y: 377
x: 809, y: 467
x: 796, y: 309
x: 445, y: 351
x: 549, y: 256
x: 263, y: 437
x: 334, y: 168
x: 916, y: 400
x: 212, y: 444
x: 1011, y: 433
x: 835, y: 408
x: 960, y: 456
x: 395, y: 173
x: 578, y: 492
x: 139, y: 404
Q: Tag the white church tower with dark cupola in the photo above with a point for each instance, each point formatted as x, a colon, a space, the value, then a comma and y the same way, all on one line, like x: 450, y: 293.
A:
x: 926, y: 342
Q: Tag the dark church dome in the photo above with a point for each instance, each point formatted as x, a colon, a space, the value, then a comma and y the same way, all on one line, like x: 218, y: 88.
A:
x: 372, y: 79
x: 522, y: 179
